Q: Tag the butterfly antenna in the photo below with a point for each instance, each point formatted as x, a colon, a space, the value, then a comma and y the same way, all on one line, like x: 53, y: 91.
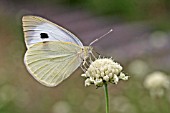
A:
x: 100, y: 37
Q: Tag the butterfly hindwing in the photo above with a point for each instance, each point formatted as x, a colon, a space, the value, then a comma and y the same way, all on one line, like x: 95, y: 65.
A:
x: 52, y: 62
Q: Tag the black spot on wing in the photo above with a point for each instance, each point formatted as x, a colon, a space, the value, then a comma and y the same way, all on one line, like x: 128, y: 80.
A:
x: 44, y: 35
x: 45, y: 42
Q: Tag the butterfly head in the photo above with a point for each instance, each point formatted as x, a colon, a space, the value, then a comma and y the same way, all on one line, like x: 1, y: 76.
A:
x: 87, y: 51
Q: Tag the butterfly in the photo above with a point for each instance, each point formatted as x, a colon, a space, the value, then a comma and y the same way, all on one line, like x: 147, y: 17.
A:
x: 53, y: 53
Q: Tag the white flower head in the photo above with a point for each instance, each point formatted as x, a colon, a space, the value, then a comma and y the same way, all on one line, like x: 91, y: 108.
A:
x: 156, y: 83
x: 104, y: 70
x: 139, y: 68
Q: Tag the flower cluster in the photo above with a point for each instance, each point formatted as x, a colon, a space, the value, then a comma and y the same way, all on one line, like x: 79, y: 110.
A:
x: 103, y: 70
x: 156, y: 83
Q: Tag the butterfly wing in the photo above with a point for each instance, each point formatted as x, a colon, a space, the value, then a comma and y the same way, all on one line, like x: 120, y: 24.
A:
x: 52, y: 62
x: 37, y: 29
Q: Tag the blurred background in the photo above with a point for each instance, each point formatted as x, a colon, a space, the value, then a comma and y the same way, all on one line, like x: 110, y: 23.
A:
x: 140, y: 42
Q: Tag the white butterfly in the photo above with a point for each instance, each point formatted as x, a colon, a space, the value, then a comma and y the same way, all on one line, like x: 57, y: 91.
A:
x: 53, y: 52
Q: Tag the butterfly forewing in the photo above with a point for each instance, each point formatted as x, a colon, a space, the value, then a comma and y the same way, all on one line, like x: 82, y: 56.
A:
x: 37, y: 29
x: 52, y: 62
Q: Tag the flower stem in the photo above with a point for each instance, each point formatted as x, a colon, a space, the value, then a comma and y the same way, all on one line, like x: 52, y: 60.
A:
x: 106, y: 97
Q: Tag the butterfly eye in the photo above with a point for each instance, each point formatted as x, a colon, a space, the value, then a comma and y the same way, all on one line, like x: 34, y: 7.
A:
x: 44, y: 35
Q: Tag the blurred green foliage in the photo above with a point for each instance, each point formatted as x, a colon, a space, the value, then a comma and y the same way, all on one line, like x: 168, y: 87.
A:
x: 141, y: 10
x: 128, y: 9
x: 155, y: 11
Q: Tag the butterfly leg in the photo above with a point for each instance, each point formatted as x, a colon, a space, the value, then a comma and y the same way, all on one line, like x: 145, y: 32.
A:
x: 83, y: 67
x: 93, y: 55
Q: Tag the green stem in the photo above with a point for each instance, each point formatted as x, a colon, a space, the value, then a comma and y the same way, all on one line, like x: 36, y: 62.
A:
x: 106, y: 97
